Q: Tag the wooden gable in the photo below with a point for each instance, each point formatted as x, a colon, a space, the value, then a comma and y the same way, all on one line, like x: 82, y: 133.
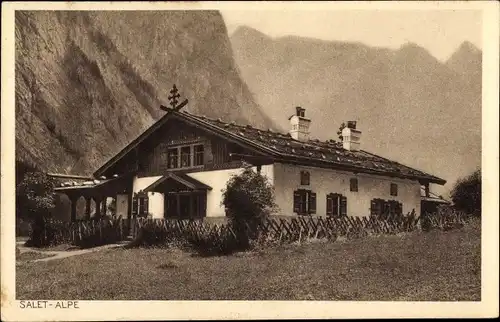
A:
x: 151, y: 156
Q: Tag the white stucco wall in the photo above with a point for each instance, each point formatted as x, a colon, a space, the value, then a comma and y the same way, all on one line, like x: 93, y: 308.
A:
x: 218, y: 180
x: 142, y: 183
x: 325, y: 181
x: 156, y: 204
x: 122, y: 206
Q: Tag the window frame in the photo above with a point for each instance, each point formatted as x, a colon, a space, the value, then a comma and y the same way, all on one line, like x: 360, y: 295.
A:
x: 393, y: 189
x: 341, y: 205
x: 386, y: 207
x: 305, y: 178
x: 181, y: 155
x: 307, y: 204
x: 353, y: 184
x: 170, y: 158
x: 198, y: 156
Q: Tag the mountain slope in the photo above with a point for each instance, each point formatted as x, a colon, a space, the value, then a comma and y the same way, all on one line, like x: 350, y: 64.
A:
x: 87, y: 83
x: 410, y: 107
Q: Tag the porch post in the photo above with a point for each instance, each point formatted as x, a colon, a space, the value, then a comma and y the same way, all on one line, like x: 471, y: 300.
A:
x: 73, y: 200
x: 178, y: 205
x: 97, y: 206
x: 104, y: 206
x: 130, y: 220
x: 87, y: 208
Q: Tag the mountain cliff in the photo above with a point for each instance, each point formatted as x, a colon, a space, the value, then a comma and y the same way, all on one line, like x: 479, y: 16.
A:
x: 87, y: 83
x: 410, y: 106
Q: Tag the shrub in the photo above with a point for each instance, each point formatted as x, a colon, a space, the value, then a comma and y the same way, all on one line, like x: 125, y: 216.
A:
x: 466, y: 194
x: 248, y: 200
x: 49, y: 232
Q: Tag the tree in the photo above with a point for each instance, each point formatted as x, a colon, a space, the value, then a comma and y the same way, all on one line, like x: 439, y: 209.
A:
x: 248, y: 199
x: 35, y: 198
x: 35, y: 194
x: 466, y: 194
x: 339, y: 132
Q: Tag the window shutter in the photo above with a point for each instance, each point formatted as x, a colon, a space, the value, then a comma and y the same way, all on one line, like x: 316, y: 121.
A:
x: 145, y: 204
x: 399, y: 209
x: 296, y: 201
x: 312, y: 203
x: 373, y: 207
x: 386, y: 207
x: 134, y: 206
x: 329, y: 210
x: 343, y: 206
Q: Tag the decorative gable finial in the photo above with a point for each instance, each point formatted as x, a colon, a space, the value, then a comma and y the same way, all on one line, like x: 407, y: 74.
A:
x: 174, y: 100
x: 174, y: 95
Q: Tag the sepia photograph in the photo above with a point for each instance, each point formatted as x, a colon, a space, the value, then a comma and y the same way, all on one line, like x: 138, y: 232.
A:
x: 247, y: 152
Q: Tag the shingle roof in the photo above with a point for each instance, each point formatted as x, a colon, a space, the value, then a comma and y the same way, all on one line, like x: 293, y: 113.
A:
x: 326, y: 152
x: 283, y: 148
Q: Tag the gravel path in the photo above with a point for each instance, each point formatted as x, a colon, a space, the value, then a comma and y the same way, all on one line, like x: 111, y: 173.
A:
x: 62, y: 254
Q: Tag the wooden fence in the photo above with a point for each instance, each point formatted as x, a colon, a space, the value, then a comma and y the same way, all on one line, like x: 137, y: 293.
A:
x: 273, y: 230
x: 296, y: 229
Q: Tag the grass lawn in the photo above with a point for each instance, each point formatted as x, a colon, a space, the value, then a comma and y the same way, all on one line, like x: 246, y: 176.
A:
x: 434, y: 266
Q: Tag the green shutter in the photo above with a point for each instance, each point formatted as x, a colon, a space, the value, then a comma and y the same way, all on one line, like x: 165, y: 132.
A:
x: 373, y: 207
x: 145, y: 205
x: 329, y: 210
x: 343, y: 206
x: 312, y: 202
x: 399, y: 209
x: 296, y: 201
x: 134, y: 206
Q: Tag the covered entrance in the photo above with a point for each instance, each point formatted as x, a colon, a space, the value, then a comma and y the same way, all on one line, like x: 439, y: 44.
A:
x: 98, y: 191
x: 184, y: 196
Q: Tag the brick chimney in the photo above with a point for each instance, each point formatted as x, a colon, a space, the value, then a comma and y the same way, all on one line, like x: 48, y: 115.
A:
x: 299, y: 125
x: 351, y: 137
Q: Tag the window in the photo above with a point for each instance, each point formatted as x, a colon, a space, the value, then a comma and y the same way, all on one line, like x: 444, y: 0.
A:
x: 336, y: 205
x: 185, y: 156
x: 173, y: 155
x: 395, y: 207
x: 304, y: 202
x: 383, y: 208
x: 394, y: 189
x: 377, y: 207
x: 354, y: 184
x: 304, y: 178
x: 198, y: 155
x: 140, y: 204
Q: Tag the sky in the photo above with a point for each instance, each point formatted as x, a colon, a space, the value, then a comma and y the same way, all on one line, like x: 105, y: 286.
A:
x: 439, y: 31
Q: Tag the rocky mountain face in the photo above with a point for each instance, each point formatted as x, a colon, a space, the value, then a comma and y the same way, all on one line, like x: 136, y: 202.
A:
x: 410, y: 107
x: 87, y: 83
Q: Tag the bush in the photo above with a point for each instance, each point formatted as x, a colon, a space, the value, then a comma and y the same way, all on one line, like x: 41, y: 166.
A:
x: 48, y: 232
x: 248, y: 200
x: 466, y: 194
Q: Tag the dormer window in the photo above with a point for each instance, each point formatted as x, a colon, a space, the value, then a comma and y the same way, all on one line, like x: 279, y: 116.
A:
x: 305, y: 178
